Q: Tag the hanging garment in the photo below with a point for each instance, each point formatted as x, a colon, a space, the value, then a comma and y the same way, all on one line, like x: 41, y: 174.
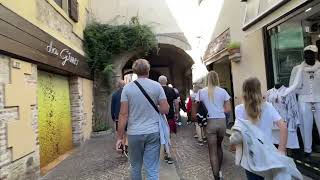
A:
x: 257, y: 154
x: 288, y: 109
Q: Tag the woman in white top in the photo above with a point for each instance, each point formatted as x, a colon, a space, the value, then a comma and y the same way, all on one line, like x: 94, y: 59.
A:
x: 260, y: 113
x: 216, y: 100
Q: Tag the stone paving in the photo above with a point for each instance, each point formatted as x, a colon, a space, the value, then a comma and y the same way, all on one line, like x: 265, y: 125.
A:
x: 193, y: 160
x: 97, y: 160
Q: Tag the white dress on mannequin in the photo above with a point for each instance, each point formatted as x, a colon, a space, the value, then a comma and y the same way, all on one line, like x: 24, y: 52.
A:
x: 288, y: 109
x: 305, y: 81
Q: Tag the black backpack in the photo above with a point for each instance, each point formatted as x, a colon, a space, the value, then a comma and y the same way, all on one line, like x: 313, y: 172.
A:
x: 202, y: 113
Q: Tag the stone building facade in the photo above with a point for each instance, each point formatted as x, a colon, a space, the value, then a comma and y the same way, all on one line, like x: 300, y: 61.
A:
x: 272, y: 36
x: 45, y: 85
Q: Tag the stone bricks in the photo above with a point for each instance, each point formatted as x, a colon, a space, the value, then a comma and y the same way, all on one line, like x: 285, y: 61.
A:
x: 77, y: 110
x: 8, y: 113
x: 4, y: 69
x: 26, y: 167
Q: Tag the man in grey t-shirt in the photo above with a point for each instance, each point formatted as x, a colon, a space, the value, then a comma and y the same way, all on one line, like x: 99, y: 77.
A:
x: 143, y: 119
x: 143, y: 122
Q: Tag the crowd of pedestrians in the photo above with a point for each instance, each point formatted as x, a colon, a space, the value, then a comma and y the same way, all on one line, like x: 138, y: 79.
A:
x: 147, y: 112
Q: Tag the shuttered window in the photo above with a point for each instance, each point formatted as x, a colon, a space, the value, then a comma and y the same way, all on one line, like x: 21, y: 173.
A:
x: 74, y: 10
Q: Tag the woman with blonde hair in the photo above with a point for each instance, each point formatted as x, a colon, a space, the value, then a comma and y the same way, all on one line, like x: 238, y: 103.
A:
x: 260, y: 116
x: 217, y: 102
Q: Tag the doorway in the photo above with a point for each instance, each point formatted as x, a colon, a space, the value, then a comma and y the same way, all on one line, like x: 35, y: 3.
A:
x: 55, y: 128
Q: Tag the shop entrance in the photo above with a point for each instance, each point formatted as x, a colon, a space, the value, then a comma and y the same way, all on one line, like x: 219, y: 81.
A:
x: 223, y: 68
x: 286, y: 40
x: 55, y: 128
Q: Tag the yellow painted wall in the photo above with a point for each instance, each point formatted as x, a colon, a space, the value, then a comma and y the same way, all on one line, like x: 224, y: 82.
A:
x: 87, y: 91
x: 55, y: 128
x: 28, y: 10
x: 22, y: 94
x: 252, y: 51
x: 252, y: 64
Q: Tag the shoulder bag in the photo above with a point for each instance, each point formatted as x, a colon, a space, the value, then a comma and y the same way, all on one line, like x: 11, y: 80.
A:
x: 163, y: 124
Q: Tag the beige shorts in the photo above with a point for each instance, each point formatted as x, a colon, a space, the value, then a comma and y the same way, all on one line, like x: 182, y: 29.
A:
x: 217, y: 127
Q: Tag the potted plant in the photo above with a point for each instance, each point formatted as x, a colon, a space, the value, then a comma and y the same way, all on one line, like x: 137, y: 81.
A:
x: 234, y: 51
x: 233, y: 48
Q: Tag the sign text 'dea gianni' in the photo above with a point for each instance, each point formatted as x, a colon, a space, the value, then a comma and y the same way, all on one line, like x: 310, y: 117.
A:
x: 65, y: 55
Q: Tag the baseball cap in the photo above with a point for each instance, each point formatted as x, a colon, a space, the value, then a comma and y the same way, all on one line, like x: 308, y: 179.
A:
x: 311, y: 48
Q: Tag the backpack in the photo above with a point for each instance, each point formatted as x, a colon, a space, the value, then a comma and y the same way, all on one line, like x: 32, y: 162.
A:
x: 202, y: 113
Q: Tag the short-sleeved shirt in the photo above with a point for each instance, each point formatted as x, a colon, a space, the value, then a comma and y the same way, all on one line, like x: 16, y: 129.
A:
x: 269, y: 116
x: 171, y: 97
x: 215, y: 107
x: 142, y: 117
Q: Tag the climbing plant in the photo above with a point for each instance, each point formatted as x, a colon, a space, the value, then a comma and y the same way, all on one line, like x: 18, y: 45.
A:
x: 102, y: 42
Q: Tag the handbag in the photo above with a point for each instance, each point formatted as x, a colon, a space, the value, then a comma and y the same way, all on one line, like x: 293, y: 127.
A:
x: 163, y: 123
x: 202, y: 113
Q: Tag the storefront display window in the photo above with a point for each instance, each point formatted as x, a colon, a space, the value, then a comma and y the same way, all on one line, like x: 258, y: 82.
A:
x: 286, y: 42
x: 287, y: 50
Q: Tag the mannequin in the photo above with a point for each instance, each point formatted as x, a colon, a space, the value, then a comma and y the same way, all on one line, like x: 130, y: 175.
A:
x: 305, y: 82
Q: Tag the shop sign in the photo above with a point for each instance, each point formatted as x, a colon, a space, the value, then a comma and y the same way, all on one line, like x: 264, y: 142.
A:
x: 64, y: 54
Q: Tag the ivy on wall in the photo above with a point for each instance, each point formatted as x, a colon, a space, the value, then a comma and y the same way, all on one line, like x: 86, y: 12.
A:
x: 102, y: 42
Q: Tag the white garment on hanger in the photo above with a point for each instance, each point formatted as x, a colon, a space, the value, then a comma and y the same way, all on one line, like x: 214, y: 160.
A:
x: 288, y: 109
x: 257, y: 154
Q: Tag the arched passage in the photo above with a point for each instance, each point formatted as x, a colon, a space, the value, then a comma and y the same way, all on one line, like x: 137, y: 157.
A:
x: 170, y: 61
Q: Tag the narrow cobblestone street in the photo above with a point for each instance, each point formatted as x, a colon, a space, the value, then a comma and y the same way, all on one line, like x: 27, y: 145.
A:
x: 98, y: 160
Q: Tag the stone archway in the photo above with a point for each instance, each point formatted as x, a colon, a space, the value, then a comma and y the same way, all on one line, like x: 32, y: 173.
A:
x: 171, y: 60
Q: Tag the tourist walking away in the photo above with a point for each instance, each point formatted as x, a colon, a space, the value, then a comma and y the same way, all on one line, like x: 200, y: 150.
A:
x: 216, y: 102
x: 115, y: 110
x: 177, y: 109
x: 189, y: 108
x: 173, y: 103
x: 200, y: 133
x: 143, y: 122
x: 252, y: 134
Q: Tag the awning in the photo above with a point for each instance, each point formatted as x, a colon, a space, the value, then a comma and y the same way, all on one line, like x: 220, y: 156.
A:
x: 269, y: 16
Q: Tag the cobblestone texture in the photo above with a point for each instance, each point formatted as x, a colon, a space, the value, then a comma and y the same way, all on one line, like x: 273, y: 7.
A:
x: 96, y: 159
x: 193, y: 160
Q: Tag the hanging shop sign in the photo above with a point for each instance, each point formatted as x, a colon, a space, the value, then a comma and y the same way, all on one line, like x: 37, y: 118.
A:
x: 21, y: 39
